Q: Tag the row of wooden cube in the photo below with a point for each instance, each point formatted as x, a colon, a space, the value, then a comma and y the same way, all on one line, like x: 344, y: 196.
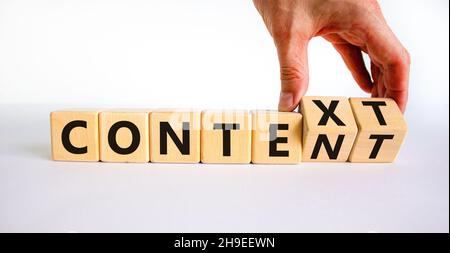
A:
x: 327, y: 129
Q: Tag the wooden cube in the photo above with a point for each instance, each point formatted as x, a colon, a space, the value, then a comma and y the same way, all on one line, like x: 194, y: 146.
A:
x: 382, y: 130
x: 276, y: 137
x: 329, y: 129
x: 124, y: 136
x: 226, y: 137
x: 74, y: 135
x: 175, y: 136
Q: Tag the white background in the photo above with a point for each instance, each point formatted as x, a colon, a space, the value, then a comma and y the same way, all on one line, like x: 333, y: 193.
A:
x: 204, y: 54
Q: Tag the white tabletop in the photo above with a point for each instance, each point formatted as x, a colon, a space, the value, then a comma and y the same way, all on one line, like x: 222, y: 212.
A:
x: 41, y: 195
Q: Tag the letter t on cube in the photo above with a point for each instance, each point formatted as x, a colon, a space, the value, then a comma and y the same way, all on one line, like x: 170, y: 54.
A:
x: 226, y: 137
x: 329, y: 129
x: 382, y: 130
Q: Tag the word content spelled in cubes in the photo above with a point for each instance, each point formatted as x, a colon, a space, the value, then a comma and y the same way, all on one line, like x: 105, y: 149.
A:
x: 327, y: 129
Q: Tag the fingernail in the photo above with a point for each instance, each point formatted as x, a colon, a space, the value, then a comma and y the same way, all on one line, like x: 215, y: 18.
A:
x: 286, y: 101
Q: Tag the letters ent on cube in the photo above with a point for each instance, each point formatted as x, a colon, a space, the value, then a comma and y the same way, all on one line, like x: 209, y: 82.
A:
x: 329, y: 129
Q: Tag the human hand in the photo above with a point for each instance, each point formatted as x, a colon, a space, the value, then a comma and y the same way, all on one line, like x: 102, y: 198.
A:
x: 351, y: 26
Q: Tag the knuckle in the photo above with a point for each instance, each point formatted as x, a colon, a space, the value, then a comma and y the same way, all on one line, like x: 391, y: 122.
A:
x: 281, y: 34
x: 283, y: 29
x: 289, y: 73
x: 401, y: 59
x: 374, y: 5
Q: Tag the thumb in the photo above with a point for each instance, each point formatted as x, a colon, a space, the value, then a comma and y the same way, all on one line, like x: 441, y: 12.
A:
x: 293, y: 58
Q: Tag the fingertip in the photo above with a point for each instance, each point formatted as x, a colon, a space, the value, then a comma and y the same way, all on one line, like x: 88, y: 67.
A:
x: 400, y: 97
x: 403, y: 108
x: 401, y: 104
x: 363, y: 80
x: 290, y: 97
x: 365, y: 84
x: 374, y: 92
x: 286, y: 101
x: 366, y: 88
x: 292, y: 90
